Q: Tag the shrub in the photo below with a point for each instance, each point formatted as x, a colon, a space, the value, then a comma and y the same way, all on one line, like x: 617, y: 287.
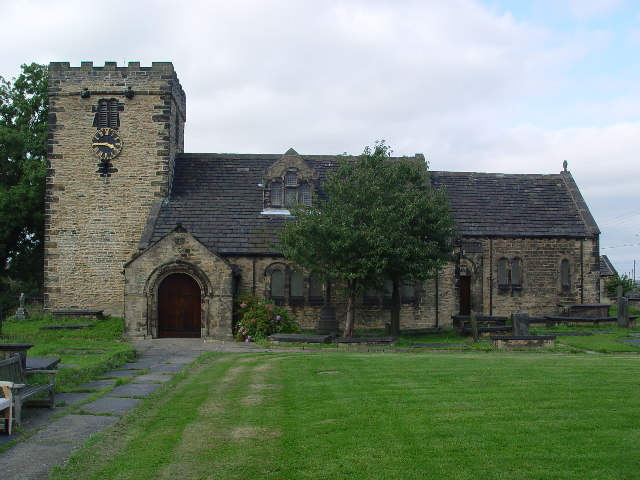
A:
x: 259, y: 318
x: 611, y: 286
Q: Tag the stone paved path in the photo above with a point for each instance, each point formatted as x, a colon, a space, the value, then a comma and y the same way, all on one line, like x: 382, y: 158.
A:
x: 48, y: 442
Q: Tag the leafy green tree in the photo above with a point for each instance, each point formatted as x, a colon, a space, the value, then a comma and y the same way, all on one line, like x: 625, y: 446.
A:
x: 611, y: 285
x: 24, y: 108
x: 381, y: 218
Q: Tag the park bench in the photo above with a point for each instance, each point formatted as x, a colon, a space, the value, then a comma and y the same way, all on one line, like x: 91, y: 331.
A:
x: 11, y: 370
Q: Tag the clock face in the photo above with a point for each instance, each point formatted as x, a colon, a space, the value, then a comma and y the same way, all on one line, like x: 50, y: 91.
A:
x: 106, y: 144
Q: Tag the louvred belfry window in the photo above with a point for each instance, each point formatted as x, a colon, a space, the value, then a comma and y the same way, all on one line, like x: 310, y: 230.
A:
x: 107, y: 115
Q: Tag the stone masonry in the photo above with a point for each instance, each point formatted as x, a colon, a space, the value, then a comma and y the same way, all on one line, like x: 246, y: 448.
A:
x: 115, y: 233
x: 94, y: 222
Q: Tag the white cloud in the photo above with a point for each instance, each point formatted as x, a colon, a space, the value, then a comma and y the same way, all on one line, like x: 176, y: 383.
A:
x: 471, y: 88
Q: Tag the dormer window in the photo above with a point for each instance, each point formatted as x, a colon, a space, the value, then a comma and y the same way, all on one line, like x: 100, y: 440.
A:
x: 286, y: 191
x: 291, y: 179
x: 276, y: 194
x: 304, y: 194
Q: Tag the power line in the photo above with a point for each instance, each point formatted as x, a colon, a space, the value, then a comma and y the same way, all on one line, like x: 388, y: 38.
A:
x: 620, y: 246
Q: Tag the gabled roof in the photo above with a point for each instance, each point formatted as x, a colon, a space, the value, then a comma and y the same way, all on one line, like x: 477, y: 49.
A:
x: 516, y: 205
x: 606, y: 267
x: 219, y: 199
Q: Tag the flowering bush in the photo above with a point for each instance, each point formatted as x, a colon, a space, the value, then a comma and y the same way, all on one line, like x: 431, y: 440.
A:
x: 261, y: 318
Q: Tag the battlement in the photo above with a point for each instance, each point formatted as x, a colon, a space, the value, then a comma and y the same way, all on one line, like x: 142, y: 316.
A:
x: 160, y: 67
x: 111, y: 80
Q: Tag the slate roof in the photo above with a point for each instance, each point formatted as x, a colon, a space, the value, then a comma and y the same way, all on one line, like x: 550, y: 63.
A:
x: 606, y: 267
x: 218, y: 199
x: 516, y: 205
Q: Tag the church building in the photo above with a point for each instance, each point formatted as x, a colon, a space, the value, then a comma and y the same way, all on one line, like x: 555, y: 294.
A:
x: 138, y: 228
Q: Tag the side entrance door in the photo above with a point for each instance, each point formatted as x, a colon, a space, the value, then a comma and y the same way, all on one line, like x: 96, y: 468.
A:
x: 465, y: 295
x: 179, y: 307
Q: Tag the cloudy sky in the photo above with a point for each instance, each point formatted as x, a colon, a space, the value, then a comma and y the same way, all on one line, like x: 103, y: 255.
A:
x: 490, y: 86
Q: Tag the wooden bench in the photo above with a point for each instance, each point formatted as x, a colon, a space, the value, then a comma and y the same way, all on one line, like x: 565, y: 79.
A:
x: 11, y: 370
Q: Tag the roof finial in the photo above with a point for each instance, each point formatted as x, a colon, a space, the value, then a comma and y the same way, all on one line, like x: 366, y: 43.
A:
x: 564, y: 165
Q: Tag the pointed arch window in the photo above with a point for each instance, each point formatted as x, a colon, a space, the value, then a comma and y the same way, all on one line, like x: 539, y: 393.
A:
x: 509, y: 274
x: 565, y: 275
x: 516, y: 274
x: 408, y: 291
x: 316, y: 294
x: 503, y: 274
x: 277, y: 285
x: 296, y: 288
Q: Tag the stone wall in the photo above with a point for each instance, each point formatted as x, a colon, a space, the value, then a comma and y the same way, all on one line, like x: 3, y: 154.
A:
x: 94, y: 222
x: 178, y: 252
x: 438, y: 299
x: 541, y: 288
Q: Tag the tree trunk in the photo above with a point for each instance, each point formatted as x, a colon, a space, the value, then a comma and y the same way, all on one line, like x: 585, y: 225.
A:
x: 351, y: 309
x: 395, y: 308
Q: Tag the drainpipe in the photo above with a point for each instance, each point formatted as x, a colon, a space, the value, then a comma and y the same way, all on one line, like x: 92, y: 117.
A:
x: 253, y: 274
x: 490, y: 276
x: 582, y: 271
x: 437, y: 300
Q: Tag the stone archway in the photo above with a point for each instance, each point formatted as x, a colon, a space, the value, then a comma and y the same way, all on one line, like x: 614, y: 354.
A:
x: 179, y: 307
x: 179, y: 279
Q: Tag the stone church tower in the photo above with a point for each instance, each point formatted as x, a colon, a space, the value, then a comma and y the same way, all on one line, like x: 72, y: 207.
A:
x: 114, y: 133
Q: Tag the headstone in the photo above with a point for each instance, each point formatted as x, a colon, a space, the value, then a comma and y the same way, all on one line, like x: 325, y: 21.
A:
x: 623, y: 312
x: 520, y: 323
x: 474, y: 326
x: 327, y: 323
x: 21, y: 313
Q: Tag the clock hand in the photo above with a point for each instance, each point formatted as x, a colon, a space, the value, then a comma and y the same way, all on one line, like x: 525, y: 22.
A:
x: 105, y: 144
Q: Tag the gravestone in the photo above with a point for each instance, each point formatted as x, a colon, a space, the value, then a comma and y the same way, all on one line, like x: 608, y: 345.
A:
x: 327, y: 323
x: 474, y: 326
x: 21, y: 313
x: 520, y: 323
x: 623, y: 310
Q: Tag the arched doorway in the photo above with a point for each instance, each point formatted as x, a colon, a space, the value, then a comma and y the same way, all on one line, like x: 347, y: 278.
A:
x: 179, y: 307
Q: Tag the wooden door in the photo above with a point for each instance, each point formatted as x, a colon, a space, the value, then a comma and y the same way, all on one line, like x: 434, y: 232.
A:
x: 179, y: 307
x: 465, y: 295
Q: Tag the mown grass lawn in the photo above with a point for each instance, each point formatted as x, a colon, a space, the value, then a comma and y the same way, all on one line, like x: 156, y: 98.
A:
x: 84, y: 353
x: 335, y: 415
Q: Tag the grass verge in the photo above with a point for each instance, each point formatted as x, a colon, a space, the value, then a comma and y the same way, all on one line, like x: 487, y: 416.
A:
x: 328, y: 415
